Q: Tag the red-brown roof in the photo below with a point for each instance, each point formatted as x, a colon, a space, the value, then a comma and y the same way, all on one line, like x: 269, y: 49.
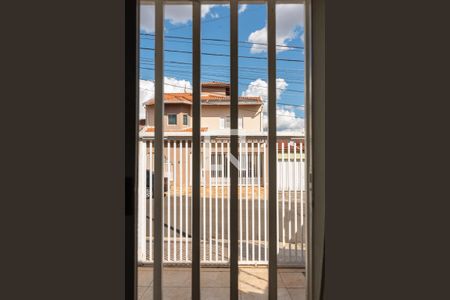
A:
x: 152, y: 129
x: 186, y: 98
x: 215, y: 84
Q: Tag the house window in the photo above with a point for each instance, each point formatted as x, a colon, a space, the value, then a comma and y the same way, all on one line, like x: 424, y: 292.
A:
x: 185, y: 120
x: 225, y: 122
x: 172, y: 119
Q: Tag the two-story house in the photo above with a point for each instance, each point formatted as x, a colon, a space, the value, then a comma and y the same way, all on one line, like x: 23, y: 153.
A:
x: 215, y: 123
x: 215, y: 99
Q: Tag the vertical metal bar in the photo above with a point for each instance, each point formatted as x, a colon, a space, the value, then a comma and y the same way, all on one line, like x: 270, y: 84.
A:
x: 150, y: 205
x: 302, y: 177
x: 216, y: 211
x: 289, y: 179
x: 186, y: 199
x: 175, y: 201
x: 222, y: 170
x: 204, y: 199
x: 234, y: 111
x: 228, y: 197
x: 247, y: 256
x: 159, y: 149
x: 266, y: 248
x: 190, y: 205
x: 252, y: 184
x: 142, y: 200
x: 283, y: 183
x: 272, y: 122
x: 148, y: 202
x: 278, y: 184
x: 180, y: 202
x: 196, y: 147
x: 210, y: 199
x: 169, y: 196
x: 296, y: 182
x: 259, y: 199
x: 241, y: 236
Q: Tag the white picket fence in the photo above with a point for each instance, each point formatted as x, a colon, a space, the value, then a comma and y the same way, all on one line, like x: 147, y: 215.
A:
x: 215, y: 209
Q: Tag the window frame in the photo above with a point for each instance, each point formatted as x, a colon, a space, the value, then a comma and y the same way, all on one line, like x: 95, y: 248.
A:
x: 227, y: 120
x: 168, y: 119
x: 315, y: 136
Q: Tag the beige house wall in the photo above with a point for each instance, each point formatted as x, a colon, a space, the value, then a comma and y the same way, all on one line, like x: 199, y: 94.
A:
x: 178, y: 109
x: 211, y: 115
x: 218, y: 90
x: 251, y: 115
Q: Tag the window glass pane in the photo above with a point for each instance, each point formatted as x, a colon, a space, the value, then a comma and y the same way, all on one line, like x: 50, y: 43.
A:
x: 172, y: 119
x: 253, y: 202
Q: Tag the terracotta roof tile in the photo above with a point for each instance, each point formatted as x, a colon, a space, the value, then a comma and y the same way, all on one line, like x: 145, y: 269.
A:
x: 216, y: 83
x: 152, y: 129
x: 186, y: 98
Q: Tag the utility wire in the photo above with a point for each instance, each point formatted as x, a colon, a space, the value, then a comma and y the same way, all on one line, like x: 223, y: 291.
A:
x: 242, y: 75
x: 189, y: 40
x: 240, y: 82
x: 221, y: 54
x: 222, y: 66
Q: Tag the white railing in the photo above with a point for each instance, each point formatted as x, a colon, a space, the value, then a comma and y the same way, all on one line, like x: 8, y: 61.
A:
x: 215, y: 210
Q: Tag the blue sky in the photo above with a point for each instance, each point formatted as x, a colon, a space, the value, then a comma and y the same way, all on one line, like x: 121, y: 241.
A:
x: 215, y: 45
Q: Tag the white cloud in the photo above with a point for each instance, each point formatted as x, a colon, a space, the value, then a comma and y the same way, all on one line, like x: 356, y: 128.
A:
x: 286, y: 119
x: 182, y: 14
x: 242, y: 8
x: 289, y: 18
x: 259, y: 87
x: 178, y: 14
x: 206, y: 9
x: 175, y: 14
x: 171, y: 85
x: 147, y: 18
x: 214, y: 15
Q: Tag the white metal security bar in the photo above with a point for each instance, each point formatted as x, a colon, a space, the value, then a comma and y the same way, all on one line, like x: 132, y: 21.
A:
x: 215, y: 184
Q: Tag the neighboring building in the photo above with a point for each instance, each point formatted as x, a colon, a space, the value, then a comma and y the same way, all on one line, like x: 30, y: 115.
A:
x: 215, y: 99
x: 215, y: 124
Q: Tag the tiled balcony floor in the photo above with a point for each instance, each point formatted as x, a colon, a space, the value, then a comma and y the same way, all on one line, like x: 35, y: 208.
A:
x: 253, y: 283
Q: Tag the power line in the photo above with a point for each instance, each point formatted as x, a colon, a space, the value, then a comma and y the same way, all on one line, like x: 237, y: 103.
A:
x: 221, y: 54
x: 240, y: 82
x: 242, y: 75
x: 189, y: 40
x: 222, y: 66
